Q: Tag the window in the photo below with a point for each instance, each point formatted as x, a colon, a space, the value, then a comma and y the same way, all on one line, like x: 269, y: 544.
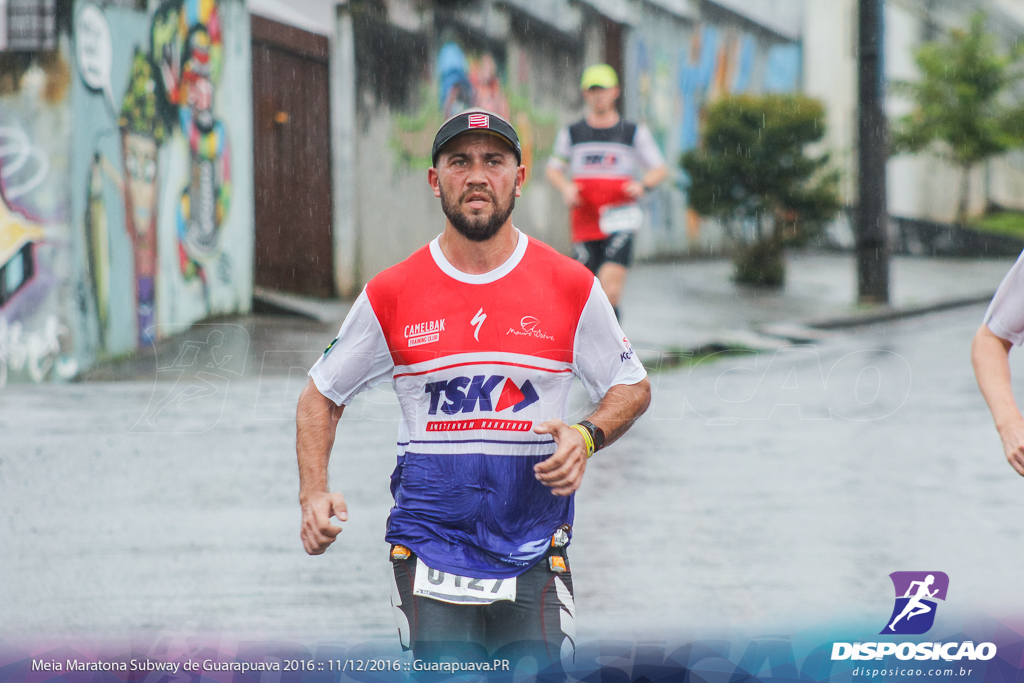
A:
x: 30, y: 25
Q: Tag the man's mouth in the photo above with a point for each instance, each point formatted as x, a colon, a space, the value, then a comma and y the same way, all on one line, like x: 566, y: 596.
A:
x: 477, y: 201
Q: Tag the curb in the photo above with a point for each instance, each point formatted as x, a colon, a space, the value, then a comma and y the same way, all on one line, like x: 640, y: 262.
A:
x: 282, y: 303
x: 888, y: 314
x: 808, y: 331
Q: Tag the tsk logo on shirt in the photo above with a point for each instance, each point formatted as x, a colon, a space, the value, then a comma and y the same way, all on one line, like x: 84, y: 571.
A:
x: 600, y: 160
x: 467, y: 394
x: 425, y: 332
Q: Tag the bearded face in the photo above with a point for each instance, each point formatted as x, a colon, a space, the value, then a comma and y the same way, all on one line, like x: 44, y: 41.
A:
x: 478, y: 226
x: 477, y: 180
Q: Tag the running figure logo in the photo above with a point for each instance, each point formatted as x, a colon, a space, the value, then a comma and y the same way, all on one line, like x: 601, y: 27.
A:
x: 916, y: 593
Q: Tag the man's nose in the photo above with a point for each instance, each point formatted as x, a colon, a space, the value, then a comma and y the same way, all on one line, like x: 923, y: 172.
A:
x: 477, y: 174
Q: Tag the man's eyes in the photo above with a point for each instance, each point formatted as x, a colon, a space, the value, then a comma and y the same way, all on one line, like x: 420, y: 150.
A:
x: 494, y: 161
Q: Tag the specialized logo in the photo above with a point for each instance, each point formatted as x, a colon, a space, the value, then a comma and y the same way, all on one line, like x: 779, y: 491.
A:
x: 465, y: 395
x: 628, y: 353
x: 530, y: 327
x: 916, y: 593
x: 479, y: 121
x: 425, y: 332
x: 478, y: 320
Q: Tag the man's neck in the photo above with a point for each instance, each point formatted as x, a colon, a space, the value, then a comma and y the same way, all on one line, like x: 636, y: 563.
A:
x: 605, y: 119
x: 477, y: 258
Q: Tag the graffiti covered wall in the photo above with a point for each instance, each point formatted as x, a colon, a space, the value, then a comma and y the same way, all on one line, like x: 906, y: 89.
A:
x: 161, y: 181
x: 675, y: 70
x: 409, y: 83
x: 35, y: 240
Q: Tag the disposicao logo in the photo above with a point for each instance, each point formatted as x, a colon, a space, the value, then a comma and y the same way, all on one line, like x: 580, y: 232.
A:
x: 916, y: 593
x: 913, y: 614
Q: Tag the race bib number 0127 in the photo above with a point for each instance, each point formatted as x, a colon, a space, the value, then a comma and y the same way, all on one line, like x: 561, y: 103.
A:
x: 460, y: 590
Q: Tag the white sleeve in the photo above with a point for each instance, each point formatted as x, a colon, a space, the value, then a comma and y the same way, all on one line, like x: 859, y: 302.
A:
x: 1005, y: 315
x: 602, y: 356
x: 561, y: 152
x: 647, y: 151
x: 358, y: 359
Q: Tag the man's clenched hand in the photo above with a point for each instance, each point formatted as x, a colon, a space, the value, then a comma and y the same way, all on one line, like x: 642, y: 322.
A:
x: 317, y: 530
x: 563, y: 471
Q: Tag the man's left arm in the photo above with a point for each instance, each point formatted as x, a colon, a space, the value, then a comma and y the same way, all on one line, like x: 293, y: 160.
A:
x: 616, y: 413
x: 650, y: 157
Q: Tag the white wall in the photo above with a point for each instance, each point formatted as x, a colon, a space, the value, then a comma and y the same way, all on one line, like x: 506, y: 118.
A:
x: 919, y: 186
x: 316, y: 16
x: 830, y: 75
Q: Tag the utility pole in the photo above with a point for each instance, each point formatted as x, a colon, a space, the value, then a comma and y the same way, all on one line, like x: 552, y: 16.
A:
x: 871, y: 216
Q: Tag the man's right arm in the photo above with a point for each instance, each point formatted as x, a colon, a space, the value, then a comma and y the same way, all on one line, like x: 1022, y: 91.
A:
x: 316, y: 421
x: 566, y: 186
x: 557, y: 166
x: 990, y: 358
x: 357, y: 359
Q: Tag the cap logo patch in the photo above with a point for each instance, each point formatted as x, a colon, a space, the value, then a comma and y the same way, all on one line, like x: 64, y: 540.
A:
x: 479, y: 121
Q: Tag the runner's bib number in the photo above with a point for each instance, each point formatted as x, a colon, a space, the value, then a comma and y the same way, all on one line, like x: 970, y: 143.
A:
x: 625, y: 218
x: 461, y: 590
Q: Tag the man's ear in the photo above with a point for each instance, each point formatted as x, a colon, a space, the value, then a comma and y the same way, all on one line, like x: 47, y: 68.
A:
x: 435, y: 181
x: 520, y: 179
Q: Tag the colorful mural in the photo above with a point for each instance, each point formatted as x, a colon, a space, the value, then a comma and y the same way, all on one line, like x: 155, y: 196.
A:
x: 188, y: 46
x: 154, y: 169
x: 38, y: 348
x: 34, y: 341
x: 462, y: 80
x: 722, y: 61
x: 143, y: 130
x: 674, y: 86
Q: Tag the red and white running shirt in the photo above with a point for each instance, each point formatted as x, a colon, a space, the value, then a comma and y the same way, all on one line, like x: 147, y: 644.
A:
x: 476, y: 362
x: 601, y: 161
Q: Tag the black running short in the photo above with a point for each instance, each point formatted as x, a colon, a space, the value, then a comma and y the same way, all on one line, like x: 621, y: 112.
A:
x: 540, y: 623
x: 616, y: 248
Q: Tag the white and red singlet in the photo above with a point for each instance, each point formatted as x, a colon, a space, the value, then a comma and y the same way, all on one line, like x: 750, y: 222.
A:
x: 602, y: 161
x: 477, y: 361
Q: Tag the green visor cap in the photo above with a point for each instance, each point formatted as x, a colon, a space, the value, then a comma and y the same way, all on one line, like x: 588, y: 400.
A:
x: 599, y: 76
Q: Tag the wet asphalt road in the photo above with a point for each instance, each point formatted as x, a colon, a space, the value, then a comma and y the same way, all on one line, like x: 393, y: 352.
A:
x: 760, y: 492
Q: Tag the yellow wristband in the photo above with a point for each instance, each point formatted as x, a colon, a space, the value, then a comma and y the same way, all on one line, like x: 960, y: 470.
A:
x: 587, y: 439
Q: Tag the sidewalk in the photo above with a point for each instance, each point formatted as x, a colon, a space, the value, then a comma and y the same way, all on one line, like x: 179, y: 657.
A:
x: 674, y: 307
x: 689, y: 305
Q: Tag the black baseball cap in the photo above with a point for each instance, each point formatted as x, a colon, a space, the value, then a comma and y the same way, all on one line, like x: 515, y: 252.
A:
x: 471, y: 121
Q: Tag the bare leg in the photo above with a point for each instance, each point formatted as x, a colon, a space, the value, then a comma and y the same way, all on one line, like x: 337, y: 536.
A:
x: 892, y: 626
x: 921, y: 609
x: 613, y: 279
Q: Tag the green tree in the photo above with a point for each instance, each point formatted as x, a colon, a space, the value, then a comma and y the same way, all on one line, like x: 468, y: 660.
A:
x: 753, y: 172
x: 963, y: 104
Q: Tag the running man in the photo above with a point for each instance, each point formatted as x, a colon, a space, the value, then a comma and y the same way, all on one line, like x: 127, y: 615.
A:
x: 481, y: 333
x: 595, y: 164
x: 1001, y: 329
x: 914, y: 606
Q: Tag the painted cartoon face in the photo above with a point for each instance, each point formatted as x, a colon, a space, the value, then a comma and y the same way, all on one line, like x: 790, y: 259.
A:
x: 197, y: 79
x: 140, y: 168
